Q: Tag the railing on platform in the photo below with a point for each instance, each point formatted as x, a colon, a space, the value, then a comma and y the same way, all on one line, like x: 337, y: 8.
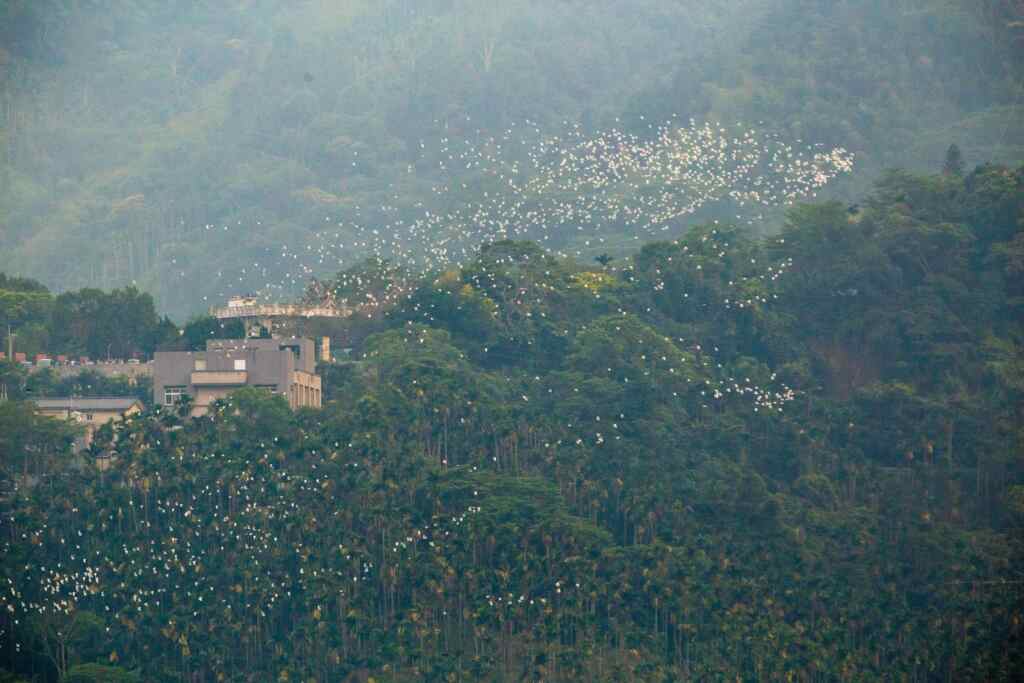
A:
x: 280, y: 311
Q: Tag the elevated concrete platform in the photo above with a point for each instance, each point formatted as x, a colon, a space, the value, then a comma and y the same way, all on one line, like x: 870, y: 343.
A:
x: 276, y: 317
x: 280, y: 311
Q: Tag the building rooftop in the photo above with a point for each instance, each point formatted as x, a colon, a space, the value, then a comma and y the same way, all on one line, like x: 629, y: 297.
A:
x: 118, y: 403
x: 261, y: 343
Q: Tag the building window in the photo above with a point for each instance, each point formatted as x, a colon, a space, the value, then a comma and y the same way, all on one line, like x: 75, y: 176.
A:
x: 173, y: 394
x: 272, y: 388
x: 200, y: 364
x: 296, y: 351
x: 239, y: 364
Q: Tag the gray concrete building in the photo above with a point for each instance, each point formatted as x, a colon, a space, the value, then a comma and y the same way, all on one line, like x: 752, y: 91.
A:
x: 282, y: 366
x: 92, y: 412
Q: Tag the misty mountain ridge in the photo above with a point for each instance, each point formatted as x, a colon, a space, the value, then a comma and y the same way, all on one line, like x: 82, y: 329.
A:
x: 180, y: 149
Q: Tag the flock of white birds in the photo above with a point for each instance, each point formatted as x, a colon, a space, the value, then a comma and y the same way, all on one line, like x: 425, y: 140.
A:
x: 571, y: 193
x: 566, y: 191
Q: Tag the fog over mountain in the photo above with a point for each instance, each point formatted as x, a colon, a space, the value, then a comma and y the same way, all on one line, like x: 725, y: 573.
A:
x: 557, y: 341
x: 202, y: 149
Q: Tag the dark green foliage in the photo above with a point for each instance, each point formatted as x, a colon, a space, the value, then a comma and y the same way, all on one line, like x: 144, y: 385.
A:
x: 790, y: 458
x: 720, y: 458
x: 25, y: 309
x: 120, y: 324
x: 98, y: 673
x: 954, y: 163
x: 21, y: 384
x: 29, y: 442
x: 200, y: 330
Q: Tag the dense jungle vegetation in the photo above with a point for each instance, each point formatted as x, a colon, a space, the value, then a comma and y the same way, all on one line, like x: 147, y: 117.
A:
x: 787, y: 445
x: 140, y: 138
x: 727, y: 457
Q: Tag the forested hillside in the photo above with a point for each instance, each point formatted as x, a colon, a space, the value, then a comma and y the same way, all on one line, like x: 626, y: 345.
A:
x: 727, y: 457
x: 122, y: 323
x: 181, y: 146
